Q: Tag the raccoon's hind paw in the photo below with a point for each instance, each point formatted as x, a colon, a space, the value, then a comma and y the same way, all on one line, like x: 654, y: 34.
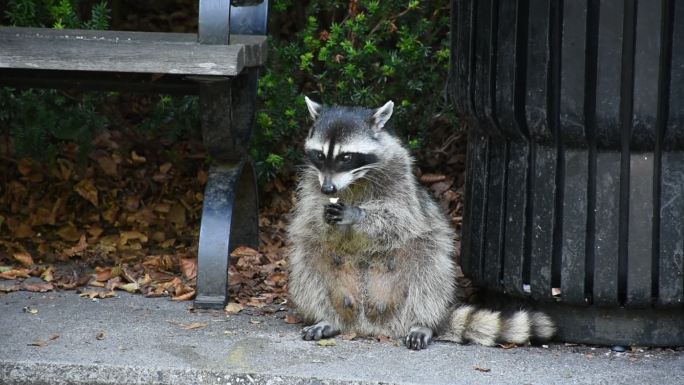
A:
x: 418, y: 338
x: 320, y: 330
x: 341, y: 214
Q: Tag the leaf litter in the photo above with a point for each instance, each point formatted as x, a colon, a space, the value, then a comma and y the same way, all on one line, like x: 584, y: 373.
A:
x: 126, y: 219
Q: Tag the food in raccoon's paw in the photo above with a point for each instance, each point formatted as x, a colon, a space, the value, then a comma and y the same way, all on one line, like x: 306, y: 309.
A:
x: 334, y: 200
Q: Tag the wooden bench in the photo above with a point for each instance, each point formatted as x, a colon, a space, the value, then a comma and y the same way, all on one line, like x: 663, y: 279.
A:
x: 220, y: 64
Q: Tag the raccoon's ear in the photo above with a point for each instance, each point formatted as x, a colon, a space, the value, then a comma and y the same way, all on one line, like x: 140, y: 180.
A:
x: 314, y: 108
x: 382, y: 115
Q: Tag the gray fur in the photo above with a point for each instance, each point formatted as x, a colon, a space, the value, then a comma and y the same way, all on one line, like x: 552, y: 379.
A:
x: 386, y: 267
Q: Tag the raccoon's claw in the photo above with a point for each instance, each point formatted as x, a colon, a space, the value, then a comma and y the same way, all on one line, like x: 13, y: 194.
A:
x: 341, y: 214
x: 418, y: 338
x: 318, y: 331
x: 334, y: 213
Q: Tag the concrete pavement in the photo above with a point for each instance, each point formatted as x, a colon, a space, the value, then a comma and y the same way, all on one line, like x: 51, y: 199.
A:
x: 61, y: 338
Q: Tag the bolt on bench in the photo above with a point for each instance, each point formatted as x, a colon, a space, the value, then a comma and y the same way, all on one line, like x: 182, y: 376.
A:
x: 220, y: 64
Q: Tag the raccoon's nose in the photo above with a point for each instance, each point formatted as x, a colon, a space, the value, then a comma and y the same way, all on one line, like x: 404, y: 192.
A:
x: 328, y: 188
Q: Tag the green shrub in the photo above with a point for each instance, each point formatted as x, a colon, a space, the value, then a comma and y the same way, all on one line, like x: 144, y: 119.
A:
x: 37, y: 120
x: 177, y: 116
x: 352, y: 52
x: 55, y: 14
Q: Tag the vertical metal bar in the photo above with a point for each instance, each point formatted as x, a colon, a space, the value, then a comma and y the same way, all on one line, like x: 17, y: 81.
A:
x: 647, y: 51
x: 478, y: 160
x: 607, y: 212
x: 626, y: 110
x: 249, y: 17
x: 496, y: 198
x: 509, y: 64
x: 591, y: 63
x: 576, y: 162
x: 671, y: 263
x: 545, y: 153
x: 214, y: 22
x: 494, y: 232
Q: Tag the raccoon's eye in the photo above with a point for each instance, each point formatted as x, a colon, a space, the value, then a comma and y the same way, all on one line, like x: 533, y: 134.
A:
x: 346, y: 157
x: 320, y: 156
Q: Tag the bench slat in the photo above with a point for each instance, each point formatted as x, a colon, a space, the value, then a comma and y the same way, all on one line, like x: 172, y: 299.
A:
x: 117, y: 51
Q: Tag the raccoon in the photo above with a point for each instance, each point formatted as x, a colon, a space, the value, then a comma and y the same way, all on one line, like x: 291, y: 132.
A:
x: 371, y: 251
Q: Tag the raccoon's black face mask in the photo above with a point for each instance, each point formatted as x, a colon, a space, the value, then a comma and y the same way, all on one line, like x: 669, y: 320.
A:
x: 344, y: 142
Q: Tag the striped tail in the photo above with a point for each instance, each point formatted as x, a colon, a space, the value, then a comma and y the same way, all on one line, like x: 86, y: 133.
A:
x: 486, y: 327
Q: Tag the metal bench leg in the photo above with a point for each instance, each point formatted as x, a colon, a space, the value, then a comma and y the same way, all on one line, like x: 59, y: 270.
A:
x: 229, y: 215
x: 229, y: 218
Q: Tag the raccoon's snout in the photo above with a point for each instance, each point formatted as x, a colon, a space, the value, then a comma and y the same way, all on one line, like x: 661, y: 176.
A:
x: 328, y: 188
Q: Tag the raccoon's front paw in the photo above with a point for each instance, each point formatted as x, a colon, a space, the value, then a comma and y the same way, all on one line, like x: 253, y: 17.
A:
x: 418, y: 338
x: 320, y: 330
x: 341, y: 214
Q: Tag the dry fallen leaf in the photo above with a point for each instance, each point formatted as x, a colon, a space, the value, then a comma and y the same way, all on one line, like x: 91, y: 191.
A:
x: 432, y: 178
x: 79, y: 248
x: 348, y: 336
x: 137, y: 158
x: 48, y: 274
x: 131, y: 287
x: 15, y: 273
x: 23, y: 230
x: 176, y: 215
x: 162, y: 207
x: 241, y: 251
x: 92, y: 294
x: 164, y: 168
x: 185, y: 296
x: 126, y: 236
x: 190, y: 326
x: 104, y: 274
x: 39, y: 343
x: 292, y: 319
x: 108, y: 165
x: 24, y: 258
x: 233, y: 308
x: 276, y: 279
x: 508, y: 345
x: 100, y: 336
x: 37, y: 287
x: 189, y: 267
x: 86, y: 189
x: 69, y: 233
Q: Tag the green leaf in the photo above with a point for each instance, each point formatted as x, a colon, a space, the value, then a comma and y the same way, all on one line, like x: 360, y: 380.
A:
x: 327, y: 342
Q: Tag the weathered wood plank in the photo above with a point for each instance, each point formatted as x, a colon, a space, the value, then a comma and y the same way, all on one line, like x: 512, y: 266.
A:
x: 117, y: 51
x: 256, y: 48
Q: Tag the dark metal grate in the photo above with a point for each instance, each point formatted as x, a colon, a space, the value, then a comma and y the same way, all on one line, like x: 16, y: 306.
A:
x: 575, y: 178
